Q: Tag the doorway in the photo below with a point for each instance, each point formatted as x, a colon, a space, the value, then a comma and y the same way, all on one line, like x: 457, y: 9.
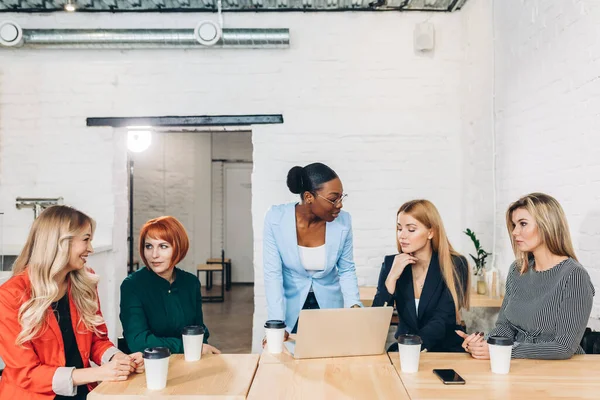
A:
x: 239, y: 238
x: 203, y: 178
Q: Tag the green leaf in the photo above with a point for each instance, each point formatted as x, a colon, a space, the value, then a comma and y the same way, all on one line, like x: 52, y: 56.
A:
x: 475, y: 259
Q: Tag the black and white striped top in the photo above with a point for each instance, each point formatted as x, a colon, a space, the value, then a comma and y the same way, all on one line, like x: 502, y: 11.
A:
x: 546, y: 312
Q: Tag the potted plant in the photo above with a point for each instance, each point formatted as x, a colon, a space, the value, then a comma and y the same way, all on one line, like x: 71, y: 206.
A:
x: 479, y: 261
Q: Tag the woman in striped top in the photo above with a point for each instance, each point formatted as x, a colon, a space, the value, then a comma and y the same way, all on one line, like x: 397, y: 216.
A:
x: 548, y: 293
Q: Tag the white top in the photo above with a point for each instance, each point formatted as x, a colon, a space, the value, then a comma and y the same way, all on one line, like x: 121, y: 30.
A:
x: 417, y: 305
x: 312, y: 258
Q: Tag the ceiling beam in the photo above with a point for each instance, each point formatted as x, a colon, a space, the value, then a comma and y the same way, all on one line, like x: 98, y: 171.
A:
x: 196, y: 120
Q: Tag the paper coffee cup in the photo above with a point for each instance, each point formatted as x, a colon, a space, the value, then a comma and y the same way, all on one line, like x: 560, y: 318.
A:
x: 409, y: 348
x: 156, y: 362
x: 275, y: 333
x: 193, y: 336
x: 500, y: 354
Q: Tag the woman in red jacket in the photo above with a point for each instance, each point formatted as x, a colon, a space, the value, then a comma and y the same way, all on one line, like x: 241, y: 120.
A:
x: 50, y: 320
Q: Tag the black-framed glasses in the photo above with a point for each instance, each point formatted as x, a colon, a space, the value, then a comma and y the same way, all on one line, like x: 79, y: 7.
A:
x: 337, y: 202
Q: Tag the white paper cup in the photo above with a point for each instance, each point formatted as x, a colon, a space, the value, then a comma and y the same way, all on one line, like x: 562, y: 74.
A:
x: 409, y: 348
x: 500, y: 354
x: 275, y: 333
x: 192, y: 336
x: 156, y: 362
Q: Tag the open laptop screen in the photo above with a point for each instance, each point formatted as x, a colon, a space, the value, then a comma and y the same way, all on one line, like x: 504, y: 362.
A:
x: 342, y: 332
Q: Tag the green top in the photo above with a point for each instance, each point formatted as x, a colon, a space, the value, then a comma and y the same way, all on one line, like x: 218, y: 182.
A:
x: 154, y: 312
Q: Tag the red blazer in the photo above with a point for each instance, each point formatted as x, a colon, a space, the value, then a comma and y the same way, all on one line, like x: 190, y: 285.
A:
x: 29, y: 370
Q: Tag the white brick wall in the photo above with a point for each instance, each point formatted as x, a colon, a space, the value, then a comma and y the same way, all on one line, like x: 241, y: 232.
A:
x: 477, y: 139
x: 395, y: 125
x: 547, y: 63
x: 352, y: 91
x: 477, y: 125
x: 387, y: 120
x: 51, y: 154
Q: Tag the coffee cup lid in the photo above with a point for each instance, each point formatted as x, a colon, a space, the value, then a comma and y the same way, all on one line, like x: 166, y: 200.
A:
x: 409, y: 339
x: 274, y: 324
x: 193, y: 330
x: 156, y: 353
x: 500, y: 341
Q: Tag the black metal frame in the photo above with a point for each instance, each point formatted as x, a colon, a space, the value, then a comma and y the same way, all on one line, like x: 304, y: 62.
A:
x: 227, y: 267
x: 194, y: 120
x: 209, y: 284
x: 130, y: 266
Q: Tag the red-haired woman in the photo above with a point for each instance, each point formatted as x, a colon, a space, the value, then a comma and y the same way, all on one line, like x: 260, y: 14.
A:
x: 158, y: 301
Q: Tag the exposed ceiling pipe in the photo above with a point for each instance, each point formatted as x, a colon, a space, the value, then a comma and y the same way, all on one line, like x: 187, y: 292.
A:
x: 254, y: 6
x: 11, y: 35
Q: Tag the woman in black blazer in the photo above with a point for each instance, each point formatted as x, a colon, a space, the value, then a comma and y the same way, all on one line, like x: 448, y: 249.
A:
x: 430, y: 293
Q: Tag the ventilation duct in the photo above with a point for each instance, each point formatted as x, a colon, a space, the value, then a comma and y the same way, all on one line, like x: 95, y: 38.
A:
x: 11, y: 35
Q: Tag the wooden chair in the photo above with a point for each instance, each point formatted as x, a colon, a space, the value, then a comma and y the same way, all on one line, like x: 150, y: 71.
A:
x: 226, y: 262
x: 209, y: 269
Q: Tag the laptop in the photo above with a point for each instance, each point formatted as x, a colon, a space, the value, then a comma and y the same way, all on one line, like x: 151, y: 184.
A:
x: 342, y: 332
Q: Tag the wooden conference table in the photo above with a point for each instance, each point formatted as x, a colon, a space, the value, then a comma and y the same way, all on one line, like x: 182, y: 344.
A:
x: 235, y: 376
x: 369, y: 377
x: 576, y: 378
x: 224, y: 376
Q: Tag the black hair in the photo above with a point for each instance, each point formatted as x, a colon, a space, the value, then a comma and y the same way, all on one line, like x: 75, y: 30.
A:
x: 309, y: 178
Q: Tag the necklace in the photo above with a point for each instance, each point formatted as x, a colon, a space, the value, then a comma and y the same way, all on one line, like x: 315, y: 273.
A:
x: 422, y: 283
x: 419, y: 284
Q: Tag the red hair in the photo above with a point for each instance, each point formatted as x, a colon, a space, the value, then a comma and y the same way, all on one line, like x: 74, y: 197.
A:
x: 170, y: 230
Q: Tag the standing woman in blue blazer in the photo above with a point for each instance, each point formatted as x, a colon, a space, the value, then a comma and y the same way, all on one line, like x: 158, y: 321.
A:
x: 428, y: 281
x: 307, y: 249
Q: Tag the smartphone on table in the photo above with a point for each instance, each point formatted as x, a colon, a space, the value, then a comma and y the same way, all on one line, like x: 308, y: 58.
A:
x: 449, y: 376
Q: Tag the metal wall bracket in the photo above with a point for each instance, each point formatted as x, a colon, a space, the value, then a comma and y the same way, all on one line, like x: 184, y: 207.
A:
x: 37, y: 203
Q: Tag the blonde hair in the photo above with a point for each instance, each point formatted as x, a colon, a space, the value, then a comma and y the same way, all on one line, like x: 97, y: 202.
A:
x: 44, y: 256
x: 426, y: 213
x: 551, y: 223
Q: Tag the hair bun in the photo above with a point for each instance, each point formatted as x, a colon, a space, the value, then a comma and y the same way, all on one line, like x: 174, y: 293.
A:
x: 295, y: 181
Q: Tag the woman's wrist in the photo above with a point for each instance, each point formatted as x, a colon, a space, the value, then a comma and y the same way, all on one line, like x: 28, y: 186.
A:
x: 83, y: 376
x: 390, y: 284
x: 395, y: 275
x: 117, y: 356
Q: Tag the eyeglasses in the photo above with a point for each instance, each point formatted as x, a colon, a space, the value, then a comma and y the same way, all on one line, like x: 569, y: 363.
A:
x: 337, y: 202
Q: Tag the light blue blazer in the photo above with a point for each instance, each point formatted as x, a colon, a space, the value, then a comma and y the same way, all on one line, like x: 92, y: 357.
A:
x: 287, y: 282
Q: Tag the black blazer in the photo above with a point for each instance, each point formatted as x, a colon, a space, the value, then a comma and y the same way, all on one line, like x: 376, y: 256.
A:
x: 436, y: 320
